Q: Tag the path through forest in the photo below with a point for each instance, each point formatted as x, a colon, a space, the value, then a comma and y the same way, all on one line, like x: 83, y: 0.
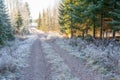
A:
x: 42, y: 68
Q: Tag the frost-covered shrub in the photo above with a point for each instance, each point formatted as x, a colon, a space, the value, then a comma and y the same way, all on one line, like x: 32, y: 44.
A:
x: 107, y: 59
x: 13, y: 58
x: 7, y: 64
x: 53, y: 35
x: 102, y: 56
x: 88, y: 37
x: 73, y: 42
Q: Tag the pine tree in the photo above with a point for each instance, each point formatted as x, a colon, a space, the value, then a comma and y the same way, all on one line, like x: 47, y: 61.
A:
x: 80, y: 17
x: 91, y: 13
x: 19, y: 22
x: 5, y: 25
x: 94, y: 14
x: 39, y: 21
x: 55, y: 17
x: 25, y: 13
x: 65, y: 18
x: 115, y: 23
x: 3, y: 36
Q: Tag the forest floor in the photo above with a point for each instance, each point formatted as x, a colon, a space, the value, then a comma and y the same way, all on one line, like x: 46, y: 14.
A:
x: 48, y: 61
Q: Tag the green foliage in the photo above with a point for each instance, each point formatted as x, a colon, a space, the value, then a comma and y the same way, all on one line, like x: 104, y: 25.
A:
x: 66, y: 17
x: 39, y: 21
x: 115, y: 23
x: 3, y: 36
x: 83, y: 15
x: 47, y: 20
x: 5, y: 25
x: 19, y: 21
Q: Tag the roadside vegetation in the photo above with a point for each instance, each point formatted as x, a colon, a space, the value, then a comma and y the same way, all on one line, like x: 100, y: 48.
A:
x: 91, y: 29
x: 99, y: 19
x: 14, y: 46
x: 94, y: 29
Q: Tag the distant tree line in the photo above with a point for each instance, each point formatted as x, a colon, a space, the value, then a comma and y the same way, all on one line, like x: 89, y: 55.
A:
x: 97, y: 18
x: 48, y: 20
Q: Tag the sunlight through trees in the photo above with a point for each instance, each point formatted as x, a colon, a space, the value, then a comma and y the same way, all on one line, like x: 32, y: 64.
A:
x: 89, y: 17
x: 48, y: 20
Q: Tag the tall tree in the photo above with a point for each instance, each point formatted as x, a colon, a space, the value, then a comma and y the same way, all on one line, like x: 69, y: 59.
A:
x: 25, y: 13
x: 3, y: 36
x: 39, y: 21
x: 91, y: 13
x: 6, y: 28
x: 19, y: 22
x: 80, y: 17
x: 115, y: 23
x: 65, y: 18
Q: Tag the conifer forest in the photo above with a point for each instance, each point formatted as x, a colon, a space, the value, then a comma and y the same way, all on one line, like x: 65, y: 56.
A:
x: 59, y: 39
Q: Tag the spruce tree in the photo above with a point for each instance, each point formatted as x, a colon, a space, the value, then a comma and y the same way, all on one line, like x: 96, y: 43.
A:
x: 66, y: 18
x: 88, y: 14
x: 5, y: 25
x: 91, y: 13
x: 39, y: 21
x: 80, y: 16
x: 19, y: 22
x: 62, y: 17
x: 115, y: 23
x: 3, y: 36
x: 25, y: 14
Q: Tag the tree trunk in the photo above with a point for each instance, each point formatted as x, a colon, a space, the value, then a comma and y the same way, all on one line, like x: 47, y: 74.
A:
x: 87, y: 32
x: 103, y: 34
x: 106, y: 35
x: 94, y: 30
x: 83, y: 34
x: 114, y: 32
x: 101, y: 26
x: 71, y: 33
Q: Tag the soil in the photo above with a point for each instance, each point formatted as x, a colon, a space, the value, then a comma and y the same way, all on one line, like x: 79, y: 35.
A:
x: 39, y: 68
x: 78, y: 67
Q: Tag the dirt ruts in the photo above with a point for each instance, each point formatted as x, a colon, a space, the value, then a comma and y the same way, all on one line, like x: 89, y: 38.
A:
x: 39, y: 68
x: 77, y: 66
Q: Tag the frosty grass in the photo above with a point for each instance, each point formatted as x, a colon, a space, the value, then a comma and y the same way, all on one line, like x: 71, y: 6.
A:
x: 59, y: 70
x: 13, y: 58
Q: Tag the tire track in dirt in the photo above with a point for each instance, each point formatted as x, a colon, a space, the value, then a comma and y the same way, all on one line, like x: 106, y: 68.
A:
x: 38, y: 67
x: 77, y: 67
x: 58, y: 69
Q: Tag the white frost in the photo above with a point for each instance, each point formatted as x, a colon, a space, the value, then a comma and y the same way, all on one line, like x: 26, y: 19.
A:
x: 59, y: 70
x: 13, y: 58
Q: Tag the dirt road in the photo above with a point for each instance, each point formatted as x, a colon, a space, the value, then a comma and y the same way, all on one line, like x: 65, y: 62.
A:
x: 42, y: 68
x: 37, y: 69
